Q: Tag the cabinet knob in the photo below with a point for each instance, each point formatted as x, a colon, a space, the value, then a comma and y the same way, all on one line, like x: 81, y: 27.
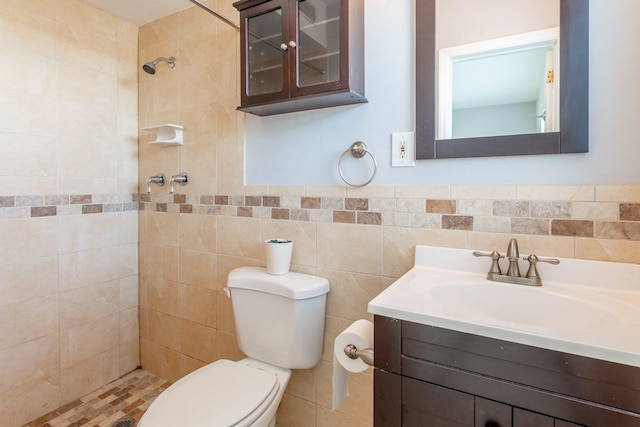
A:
x: 283, y: 46
x: 292, y: 43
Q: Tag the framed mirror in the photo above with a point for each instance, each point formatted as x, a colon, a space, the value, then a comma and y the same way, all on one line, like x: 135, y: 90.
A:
x: 568, y: 135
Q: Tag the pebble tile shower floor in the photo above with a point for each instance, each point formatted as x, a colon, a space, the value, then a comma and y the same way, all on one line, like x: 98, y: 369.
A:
x: 129, y: 396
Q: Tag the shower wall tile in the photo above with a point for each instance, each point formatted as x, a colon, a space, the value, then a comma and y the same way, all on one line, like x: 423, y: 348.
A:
x: 88, y: 304
x: 90, y: 267
x: 88, y: 340
x: 29, y: 320
x: 18, y: 361
x: 28, y: 279
x: 68, y: 132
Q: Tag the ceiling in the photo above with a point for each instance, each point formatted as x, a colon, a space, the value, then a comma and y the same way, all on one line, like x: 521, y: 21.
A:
x: 140, y: 12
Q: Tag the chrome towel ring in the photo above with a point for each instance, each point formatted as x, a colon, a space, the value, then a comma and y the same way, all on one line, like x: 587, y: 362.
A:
x: 358, y: 150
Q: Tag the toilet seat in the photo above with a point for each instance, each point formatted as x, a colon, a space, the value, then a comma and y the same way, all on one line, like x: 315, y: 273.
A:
x: 221, y: 394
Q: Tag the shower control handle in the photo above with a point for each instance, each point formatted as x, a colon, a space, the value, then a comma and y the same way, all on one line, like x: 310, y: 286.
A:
x: 157, y: 179
x: 181, y: 179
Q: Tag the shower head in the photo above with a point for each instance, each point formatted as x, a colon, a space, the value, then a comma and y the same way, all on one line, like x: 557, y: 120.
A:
x: 150, y: 67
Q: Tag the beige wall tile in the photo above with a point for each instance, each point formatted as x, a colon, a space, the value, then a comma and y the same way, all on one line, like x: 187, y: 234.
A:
x: 199, y: 305
x: 303, y: 235
x: 162, y: 296
x: 617, y: 193
x: 29, y: 238
x: 350, y: 293
x: 505, y: 192
x: 608, y: 250
x: 89, y: 303
x: 89, y: 267
x: 90, y: 339
x: 28, y: 362
x: 198, y: 232
x: 25, y: 321
x: 400, y: 242
x: 423, y: 191
x: 28, y: 279
x: 83, y: 232
x: 239, y: 237
x: 293, y: 410
x: 198, y: 341
x: 198, y: 268
x: 88, y: 375
x: 29, y: 401
x: 556, y: 192
x: 340, y: 247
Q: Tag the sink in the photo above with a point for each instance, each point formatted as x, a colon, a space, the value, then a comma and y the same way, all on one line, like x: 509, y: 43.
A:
x: 589, y: 308
x: 519, y: 306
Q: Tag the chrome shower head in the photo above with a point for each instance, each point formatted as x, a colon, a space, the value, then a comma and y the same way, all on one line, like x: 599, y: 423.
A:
x: 150, y: 67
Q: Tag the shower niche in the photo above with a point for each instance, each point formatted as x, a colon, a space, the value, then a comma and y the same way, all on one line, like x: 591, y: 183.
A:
x: 166, y: 134
x: 301, y: 54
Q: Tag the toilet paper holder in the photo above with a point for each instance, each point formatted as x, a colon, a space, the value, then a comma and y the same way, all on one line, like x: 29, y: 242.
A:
x: 352, y: 352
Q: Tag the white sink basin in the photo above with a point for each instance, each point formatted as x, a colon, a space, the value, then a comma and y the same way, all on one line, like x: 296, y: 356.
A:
x: 598, y: 315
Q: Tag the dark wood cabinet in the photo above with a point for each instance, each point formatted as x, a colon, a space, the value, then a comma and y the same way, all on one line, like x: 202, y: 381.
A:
x: 300, y: 54
x: 429, y: 376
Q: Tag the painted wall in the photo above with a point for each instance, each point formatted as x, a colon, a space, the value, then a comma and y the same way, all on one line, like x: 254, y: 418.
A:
x: 68, y: 204
x: 279, y: 153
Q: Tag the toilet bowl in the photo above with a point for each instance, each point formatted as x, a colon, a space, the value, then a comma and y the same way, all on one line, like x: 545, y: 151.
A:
x: 280, y: 326
x: 223, y: 393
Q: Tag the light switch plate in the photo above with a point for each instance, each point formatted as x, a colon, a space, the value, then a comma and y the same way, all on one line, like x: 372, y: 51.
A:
x: 403, y: 149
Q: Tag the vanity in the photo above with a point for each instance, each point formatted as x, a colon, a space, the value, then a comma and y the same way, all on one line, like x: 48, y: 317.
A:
x: 455, y: 349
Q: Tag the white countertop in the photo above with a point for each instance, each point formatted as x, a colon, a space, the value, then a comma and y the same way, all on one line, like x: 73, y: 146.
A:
x: 588, y: 308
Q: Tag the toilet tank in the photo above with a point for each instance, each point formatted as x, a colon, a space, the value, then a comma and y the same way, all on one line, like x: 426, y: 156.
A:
x: 279, y: 319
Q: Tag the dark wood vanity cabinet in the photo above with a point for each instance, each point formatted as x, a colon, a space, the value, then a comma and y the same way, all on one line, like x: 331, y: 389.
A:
x: 300, y: 54
x: 428, y: 376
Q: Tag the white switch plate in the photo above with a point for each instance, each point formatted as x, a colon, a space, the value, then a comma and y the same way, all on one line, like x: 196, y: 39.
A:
x: 403, y: 149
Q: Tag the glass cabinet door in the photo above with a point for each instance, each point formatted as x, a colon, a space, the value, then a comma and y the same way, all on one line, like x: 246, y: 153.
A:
x: 266, y: 54
x: 319, y: 42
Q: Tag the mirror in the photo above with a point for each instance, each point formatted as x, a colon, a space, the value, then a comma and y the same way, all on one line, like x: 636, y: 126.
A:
x: 564, y: 118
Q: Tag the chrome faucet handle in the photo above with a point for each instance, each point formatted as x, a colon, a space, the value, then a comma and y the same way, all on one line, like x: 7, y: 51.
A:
x: 495, y: 256
x: 512, y: 255
x: 158, y: 179
x: 181, y: 179
x: 532, y: 273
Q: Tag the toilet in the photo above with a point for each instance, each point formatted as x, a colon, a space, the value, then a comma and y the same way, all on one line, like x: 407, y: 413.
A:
x: 279, y: 326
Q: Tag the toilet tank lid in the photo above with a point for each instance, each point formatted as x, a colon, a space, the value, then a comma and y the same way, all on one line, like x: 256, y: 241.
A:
x: 291, y: 285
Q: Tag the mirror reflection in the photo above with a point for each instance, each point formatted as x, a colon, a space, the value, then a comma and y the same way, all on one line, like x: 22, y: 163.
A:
x: 498, y: 73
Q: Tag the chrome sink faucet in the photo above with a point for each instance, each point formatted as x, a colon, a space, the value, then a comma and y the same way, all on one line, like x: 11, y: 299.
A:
x: 532, y: 278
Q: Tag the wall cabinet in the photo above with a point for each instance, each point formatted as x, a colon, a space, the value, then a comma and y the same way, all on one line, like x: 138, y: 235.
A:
x: 429, y: 376
x: 300, y: 54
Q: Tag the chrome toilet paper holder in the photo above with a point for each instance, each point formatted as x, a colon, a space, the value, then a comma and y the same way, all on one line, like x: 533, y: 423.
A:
x: 352, y: 352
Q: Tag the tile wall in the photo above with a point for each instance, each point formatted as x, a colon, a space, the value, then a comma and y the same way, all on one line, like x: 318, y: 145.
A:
x: 361, y: 239
x: 68, y: 204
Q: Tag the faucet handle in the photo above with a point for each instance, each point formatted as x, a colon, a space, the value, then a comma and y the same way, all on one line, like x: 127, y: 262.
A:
x: 532, y: 273
x: 495, y: 256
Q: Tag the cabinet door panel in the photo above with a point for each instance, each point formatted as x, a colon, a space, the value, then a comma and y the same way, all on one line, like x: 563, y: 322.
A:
x: 425, y: 404
x: 266, y: 55
x: 522, y: 418
x: 489, y: 413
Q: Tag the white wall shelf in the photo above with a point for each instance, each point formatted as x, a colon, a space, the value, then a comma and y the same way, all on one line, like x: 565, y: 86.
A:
x: 167, y: 134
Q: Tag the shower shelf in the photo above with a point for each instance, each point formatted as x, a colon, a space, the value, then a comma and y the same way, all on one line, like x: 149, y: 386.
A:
x: 167, y: 134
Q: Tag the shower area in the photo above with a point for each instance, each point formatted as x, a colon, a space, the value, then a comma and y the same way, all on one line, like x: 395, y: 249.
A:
x: 91, y: 284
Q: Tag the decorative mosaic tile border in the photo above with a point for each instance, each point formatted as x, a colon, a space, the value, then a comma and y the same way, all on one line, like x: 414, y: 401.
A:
x: 602, y: 220
x: 14, y: 207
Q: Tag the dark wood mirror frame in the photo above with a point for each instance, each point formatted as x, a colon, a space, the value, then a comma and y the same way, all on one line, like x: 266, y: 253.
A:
x: 573, y: 136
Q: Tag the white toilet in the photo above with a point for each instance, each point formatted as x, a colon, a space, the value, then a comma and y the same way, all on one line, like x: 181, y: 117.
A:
x: 280, y: 326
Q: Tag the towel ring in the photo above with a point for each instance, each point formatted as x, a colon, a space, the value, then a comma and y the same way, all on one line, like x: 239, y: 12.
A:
x: 358, y: 150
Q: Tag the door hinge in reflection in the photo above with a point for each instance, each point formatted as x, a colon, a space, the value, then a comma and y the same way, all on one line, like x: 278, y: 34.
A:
x: 550, y: 76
